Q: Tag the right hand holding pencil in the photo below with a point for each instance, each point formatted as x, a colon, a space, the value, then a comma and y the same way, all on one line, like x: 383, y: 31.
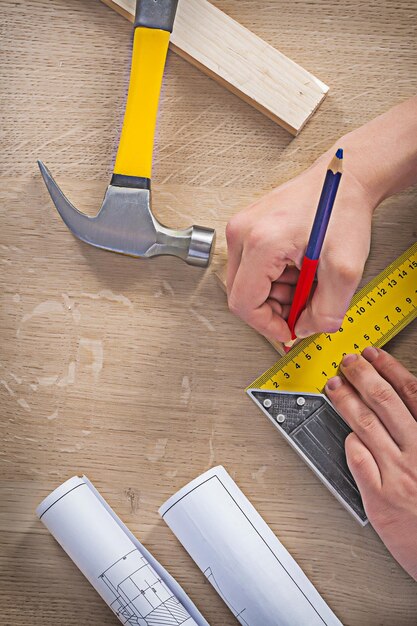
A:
x: 266, y: 244
x: 267, y: 240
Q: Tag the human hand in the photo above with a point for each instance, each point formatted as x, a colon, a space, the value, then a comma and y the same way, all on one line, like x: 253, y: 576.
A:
x: 377, y: 397
x: 267, y: 239
x: 380, y: 158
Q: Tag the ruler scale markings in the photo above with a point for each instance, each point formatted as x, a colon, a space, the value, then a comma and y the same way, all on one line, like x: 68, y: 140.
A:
x: 377, y: 313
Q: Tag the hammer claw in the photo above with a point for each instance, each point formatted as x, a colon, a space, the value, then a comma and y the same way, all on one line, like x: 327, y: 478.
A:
x: 125, y: 224
x: 76, y: 221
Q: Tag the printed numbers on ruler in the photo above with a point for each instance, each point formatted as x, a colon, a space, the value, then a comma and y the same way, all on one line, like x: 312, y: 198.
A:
x: 377, y: 313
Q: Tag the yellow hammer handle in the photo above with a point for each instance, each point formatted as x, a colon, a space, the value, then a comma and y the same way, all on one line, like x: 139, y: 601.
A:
x: 134, y: 155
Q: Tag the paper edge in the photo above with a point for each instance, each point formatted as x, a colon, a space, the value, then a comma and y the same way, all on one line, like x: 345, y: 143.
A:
x: 58, y: 493
x: 218, y: 469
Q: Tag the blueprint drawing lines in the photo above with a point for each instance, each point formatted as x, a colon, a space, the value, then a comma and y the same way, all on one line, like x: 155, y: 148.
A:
x: 141, y: 598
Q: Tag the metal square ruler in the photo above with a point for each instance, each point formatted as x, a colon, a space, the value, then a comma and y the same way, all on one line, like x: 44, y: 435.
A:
x: 290, y: 392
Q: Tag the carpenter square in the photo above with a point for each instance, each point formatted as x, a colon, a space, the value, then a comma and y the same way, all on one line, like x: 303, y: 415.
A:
x: 125, y: 222
x: 315, y: 430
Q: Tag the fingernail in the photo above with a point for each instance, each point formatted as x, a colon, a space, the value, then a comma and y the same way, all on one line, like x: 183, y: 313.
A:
x: 370, y: 353
x: 348, y: 359
x: 334, y: 383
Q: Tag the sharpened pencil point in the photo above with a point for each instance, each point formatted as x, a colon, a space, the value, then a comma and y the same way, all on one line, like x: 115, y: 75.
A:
x: 336, y: 164
x: 289, y: 344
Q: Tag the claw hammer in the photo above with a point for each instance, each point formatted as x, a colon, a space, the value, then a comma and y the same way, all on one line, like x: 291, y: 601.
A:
x: 125, y: 222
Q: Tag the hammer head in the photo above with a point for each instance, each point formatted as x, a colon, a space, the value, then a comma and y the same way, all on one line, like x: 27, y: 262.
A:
x: 125, y: 224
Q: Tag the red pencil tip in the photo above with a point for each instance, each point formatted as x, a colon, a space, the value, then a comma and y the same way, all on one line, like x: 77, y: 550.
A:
x: 289, y: 344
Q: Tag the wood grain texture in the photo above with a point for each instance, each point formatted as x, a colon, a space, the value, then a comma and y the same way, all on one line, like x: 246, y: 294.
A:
x: 133, y: 371
x: 242, y: 62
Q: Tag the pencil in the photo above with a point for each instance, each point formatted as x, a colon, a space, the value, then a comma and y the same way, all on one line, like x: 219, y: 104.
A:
x: 315, y: 243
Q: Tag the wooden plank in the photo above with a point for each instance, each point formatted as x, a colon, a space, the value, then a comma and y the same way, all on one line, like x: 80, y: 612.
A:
x: 242, y: 62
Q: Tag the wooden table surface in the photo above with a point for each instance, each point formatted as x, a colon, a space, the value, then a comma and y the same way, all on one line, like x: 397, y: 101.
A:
x: 133, y: 372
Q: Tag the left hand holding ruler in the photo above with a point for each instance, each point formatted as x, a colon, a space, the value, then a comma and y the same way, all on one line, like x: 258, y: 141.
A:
x: 290, y: 392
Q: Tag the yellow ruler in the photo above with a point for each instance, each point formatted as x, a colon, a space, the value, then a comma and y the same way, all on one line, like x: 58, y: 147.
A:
x: 377, y: 313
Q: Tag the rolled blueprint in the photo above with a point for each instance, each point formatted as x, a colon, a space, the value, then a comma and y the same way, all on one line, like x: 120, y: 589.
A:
x: 241, y: 557
x: 128, y: 578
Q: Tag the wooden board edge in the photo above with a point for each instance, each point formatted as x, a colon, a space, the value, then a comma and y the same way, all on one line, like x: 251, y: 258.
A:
x: 120, y: 10
x: 293, y: 130
x: 242, y: 95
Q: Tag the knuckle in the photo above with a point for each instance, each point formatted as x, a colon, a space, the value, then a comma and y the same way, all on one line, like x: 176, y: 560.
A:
x: 409, y: 389
x: 366, y: 421
x: 233, y: 229
x: 387, y: 365
x: 256, y: 238
x: 348, y: 272
x: 356, y: 458
x: 341, y: 398
x: 382, y: 394
x: 406, y: 484
x: 357, y: 372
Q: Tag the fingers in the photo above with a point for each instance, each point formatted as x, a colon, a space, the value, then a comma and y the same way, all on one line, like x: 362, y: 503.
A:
x: 281, y: 309
x: 281, y: 292
x: 290, y: 275
x: 275, y: 306
x: 268, y: 322
x: 250, y: 292
x: 403, y: 381
x: 252, y: 298
x: 380, y: 396
x: 337, y: 283
x: 363, y: 422
x: 363, y: 466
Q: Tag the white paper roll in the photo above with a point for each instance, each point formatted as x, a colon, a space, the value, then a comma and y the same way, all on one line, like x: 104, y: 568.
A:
x: 128, y: 578
x: 240, y: 555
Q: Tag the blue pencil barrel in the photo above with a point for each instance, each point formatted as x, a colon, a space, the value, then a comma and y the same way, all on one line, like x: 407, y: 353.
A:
x: 324, y: 211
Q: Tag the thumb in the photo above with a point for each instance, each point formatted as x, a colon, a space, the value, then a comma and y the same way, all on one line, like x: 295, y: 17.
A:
x: 336, y: 284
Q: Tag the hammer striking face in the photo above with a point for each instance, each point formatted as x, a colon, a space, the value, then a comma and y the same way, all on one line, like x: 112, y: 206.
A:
x: 125, y: 222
